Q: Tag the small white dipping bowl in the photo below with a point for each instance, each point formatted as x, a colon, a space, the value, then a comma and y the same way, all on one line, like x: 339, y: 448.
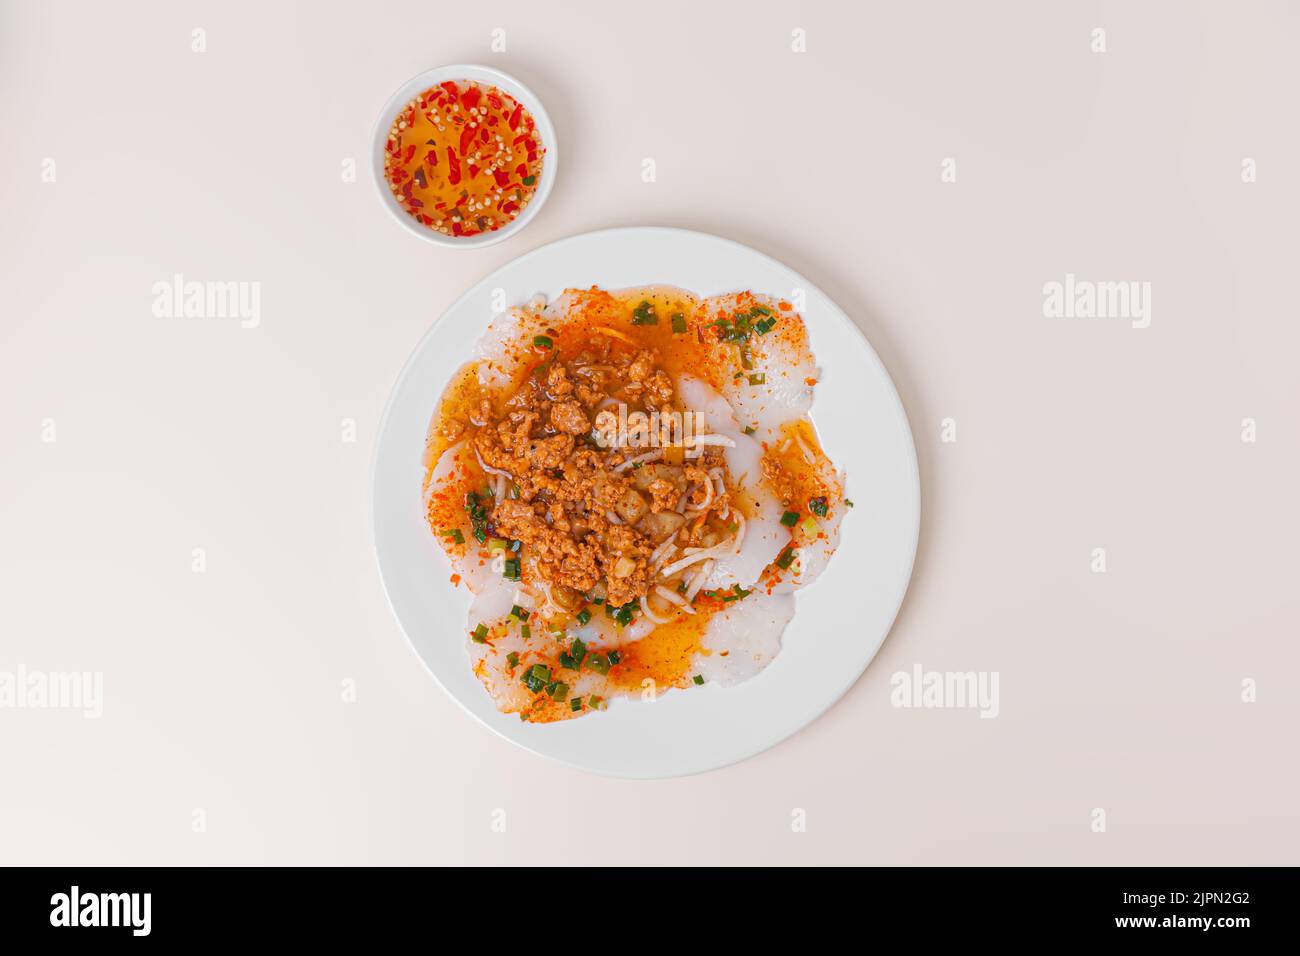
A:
x: 484, y: 75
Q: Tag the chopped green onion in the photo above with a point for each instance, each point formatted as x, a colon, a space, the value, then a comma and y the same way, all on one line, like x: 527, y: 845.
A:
x: 536, y: 677
x: 847, y: 502
x: 497, y: 544
x: 644, y: 314
x: 679, y: 324
x: 455, y: 535
x: 817, y: 506
x: 584, y: 616
x: 512, y: 658
x: 477, y: 516
x: 575, y: 704
x: 790, y: 519
x: 763, y: 326
x: 598, y: 663
x: 737, y: 592
x: 809, y: 525
x: 785, y: 558
x: 519, y: 612
x: 572, y: 658
x: 761, y: 310
x: 543, y: 341
x: 614, y: 658
x: 750, y: 429
x: 511, y: 570
x: 558, y: 691
x: 758, y: 378
x: 598, y: 703
x: 480, y: 634
x: 525, y: 632
x: 624, y: 614
x: 698, y: 679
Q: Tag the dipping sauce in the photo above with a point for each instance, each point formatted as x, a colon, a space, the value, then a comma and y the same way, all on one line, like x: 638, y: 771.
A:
x: 464, y: 158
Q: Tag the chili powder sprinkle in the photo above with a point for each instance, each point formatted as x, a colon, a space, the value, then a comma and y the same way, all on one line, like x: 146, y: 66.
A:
x: 463, y: 159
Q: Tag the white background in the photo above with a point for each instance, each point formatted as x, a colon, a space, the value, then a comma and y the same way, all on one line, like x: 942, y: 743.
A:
x: 223, y: 690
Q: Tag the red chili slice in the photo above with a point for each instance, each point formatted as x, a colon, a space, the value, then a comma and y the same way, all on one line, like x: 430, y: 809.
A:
x: 466, y: 138
x: 449, y: 86
x: 469, y: 99
x: 502, y: 177
x: 514, y: 117
x: 521, y: 170
x: 453, y: 175
x: 494, y: 101
x: 431, y: 157
x: 456, y: 230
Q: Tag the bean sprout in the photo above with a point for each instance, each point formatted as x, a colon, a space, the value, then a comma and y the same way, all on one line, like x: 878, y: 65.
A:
x: 645, y: 609
x: 717, y: 551
x: 710, y: 439
x: 488, y: 468
x: 648, y: 456
x: 740, y: 531
x: 698, y: 582
x: 674, y: 598
x: 708, y: 486
x: 666, y: 548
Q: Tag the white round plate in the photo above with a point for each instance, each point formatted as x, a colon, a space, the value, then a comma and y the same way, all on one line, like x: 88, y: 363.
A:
x: 840, y: 619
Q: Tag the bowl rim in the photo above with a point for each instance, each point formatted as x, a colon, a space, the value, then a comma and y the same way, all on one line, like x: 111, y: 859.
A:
x: 481, y: 74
